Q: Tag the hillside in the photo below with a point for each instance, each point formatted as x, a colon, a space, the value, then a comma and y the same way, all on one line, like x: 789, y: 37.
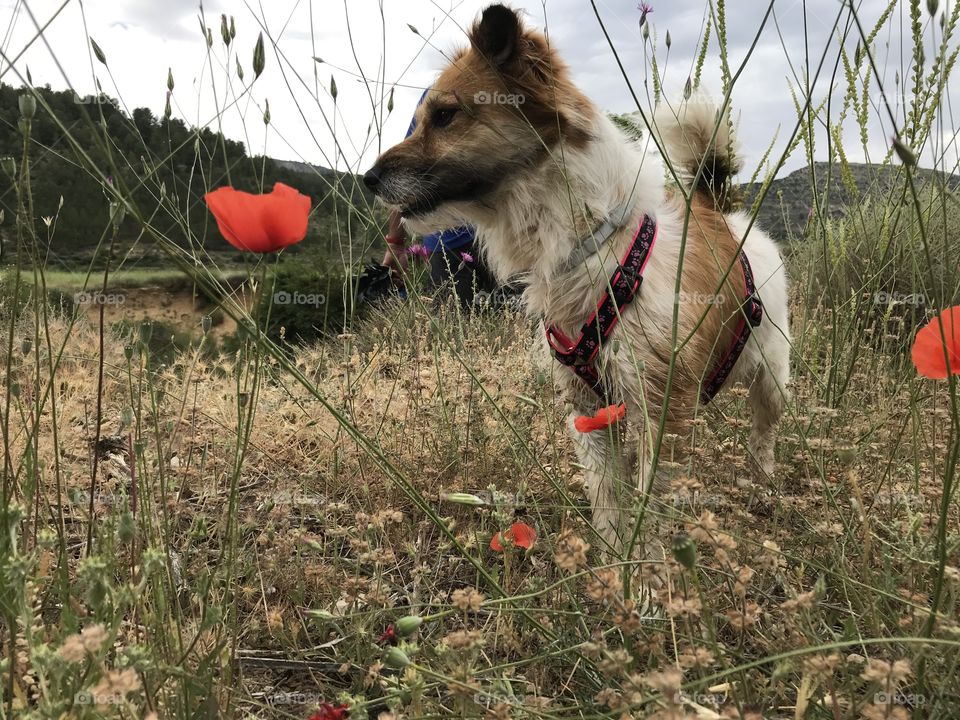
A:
x: 787, y: 205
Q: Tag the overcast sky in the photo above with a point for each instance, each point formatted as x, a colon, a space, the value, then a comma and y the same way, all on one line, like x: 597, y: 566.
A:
x: 372, y: 39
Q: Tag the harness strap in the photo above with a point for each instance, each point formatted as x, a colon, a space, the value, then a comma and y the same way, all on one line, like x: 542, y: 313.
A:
x: 751, y: 315
x: 581, y: 355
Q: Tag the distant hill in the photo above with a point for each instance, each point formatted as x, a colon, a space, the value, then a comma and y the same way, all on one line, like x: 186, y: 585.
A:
x: 787, y: 204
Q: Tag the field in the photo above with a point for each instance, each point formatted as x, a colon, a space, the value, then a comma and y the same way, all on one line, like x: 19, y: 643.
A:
x: 215, y: 504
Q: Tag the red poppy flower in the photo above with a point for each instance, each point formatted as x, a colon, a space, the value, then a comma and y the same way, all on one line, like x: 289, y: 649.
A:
x: 520, y: 534
x: 604, y: 418
x: 260, y: 223
x: 331, y: 712
x: 928, y: 352
x: 389, y: 636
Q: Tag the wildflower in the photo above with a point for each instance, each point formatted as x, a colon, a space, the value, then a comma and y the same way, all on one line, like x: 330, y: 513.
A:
x: 93, y: 637
x: 820, y: 666
x: 389, y: 636
x: 419, y: 251
x: 887, y: 674
x: 260, y: 223
x: 666, y: 682
x: 461, y: 639
x: 469, y: 599
x: 697, y: 657
x: 571, y: 552
x: 519, y: 534
x: 115, y: 686
x: 741, y: 620
x: 929, y: 353
x: 605, y: 586
x: 466, y: 257
x: 72, y: 649
x: 331, y: 712
x: 645, y: 9
x: 604, y: 418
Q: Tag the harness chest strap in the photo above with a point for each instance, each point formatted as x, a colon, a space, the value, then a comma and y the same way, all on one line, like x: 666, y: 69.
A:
x: 581, y: 355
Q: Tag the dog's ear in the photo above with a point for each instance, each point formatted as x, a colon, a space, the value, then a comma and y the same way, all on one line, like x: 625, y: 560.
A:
x: 496, y: 35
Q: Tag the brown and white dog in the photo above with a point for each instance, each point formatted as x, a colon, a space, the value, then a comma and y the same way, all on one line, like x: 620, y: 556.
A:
x: 504, y: 141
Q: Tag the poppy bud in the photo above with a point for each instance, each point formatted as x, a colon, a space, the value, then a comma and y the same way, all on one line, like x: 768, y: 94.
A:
x: 258, y: 57
x: 333, y: 88
x: 225, y: 30
x: 206, y: 323
x: 390, y: 102
x: 239, y: 70
x: 396, y: 659
x: 117, y: 213
x: 668, y: 40
x: 319, y: 614
x: 128, y: 352
x: 932, y: 6
x: 9, y: 166
x: 26, y: 346
x: 688, y: 88
x: 126, y: 528
x: 906, y: 155
x: 28, y: 105
x: 170, y: 79
x: 266, y: 114
x: 463, y: 499
x: 407, y: 625
x: 233, y: 28
x: 98, y: 52
x: 684, y: 551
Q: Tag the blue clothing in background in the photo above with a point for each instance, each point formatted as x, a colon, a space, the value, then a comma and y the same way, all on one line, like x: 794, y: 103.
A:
x: 450, y: 239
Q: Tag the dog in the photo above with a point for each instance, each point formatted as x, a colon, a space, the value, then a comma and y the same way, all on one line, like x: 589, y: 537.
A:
x: 507, y: 143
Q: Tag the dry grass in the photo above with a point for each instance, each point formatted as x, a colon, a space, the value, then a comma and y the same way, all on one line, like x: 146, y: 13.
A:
x: 274, y: 577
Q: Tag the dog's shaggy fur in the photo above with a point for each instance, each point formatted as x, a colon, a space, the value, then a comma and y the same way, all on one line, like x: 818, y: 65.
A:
x: 505, y: 142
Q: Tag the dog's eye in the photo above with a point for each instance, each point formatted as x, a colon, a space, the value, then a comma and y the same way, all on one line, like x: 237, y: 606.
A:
x: 442, y: 117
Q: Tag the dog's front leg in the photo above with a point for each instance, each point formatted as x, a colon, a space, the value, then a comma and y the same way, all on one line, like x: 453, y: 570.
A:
x: 608, y: 477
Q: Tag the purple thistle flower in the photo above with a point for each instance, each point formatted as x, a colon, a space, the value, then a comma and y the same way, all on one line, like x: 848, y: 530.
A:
x: 419, y: 251
x: 466, y: 257
x: 645, y: 9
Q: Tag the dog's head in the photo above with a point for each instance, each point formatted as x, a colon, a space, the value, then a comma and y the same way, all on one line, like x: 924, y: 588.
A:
x: 497, y: 110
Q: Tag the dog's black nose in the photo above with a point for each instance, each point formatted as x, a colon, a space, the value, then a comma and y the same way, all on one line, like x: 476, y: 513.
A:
x: 371, y: 178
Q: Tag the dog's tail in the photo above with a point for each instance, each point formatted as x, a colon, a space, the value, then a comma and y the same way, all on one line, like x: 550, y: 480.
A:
x: 699, y: 142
